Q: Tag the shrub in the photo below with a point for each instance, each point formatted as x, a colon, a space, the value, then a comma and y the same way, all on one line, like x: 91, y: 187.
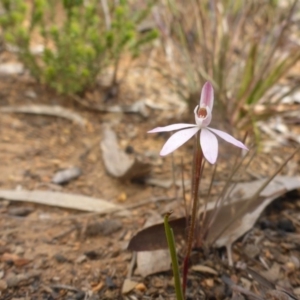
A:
x: 81, y: 38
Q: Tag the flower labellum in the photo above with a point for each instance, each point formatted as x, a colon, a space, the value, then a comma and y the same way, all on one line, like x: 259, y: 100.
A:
x: 203, y: 117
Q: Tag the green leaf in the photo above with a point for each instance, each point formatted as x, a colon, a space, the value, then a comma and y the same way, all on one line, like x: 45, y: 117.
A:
x: 248, y: 74
x: 173, y: 254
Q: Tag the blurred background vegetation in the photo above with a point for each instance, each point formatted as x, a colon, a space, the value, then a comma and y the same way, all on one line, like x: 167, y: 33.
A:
x: 245, y: 48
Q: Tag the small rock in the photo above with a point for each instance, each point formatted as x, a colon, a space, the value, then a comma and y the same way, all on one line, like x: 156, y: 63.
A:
x: 66, y: 175
x: 30, y: 94
x: 60, y: 258
x: 19, y: 250
x: 295, y: 261
x: 290, y: 267
x: 3, y: 285
x: 110, y: 283
x: 141, y: 287
x: 107, y: 227
x: 14, y: 280
x: 21, y: 211
x: 79, y: 295
x: 266, y: 224
x: 94, y: 297
x: 251, y: 250
x: 297, y: 291
x: 93, y: 255
x: 82, y: 258
x: 129, y: 149
x: 286, y: 225
x: 128, y: 286
x: 11, y: 68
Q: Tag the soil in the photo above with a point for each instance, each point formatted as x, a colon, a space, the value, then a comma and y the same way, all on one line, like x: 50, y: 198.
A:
x: 55, y: 253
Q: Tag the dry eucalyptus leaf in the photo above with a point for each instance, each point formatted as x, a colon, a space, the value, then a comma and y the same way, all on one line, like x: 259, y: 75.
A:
x: 204, y: 269
x: 153, y: 237
x: 57, y: 199
x: 128, y: 286
x: 152, y: 262
x: 240, y: 196
x: 117, y: 163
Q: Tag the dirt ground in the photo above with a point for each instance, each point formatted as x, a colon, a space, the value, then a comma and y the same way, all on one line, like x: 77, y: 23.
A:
x: 55, y: 253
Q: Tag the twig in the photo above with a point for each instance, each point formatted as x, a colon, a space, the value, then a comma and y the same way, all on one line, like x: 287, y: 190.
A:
x: 63, y: 234
x: 131, y: 265
x: 56, y: 111
x: 106, y: 14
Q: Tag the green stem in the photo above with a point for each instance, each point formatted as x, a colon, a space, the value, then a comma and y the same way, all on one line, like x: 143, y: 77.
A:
x: 172, y: 248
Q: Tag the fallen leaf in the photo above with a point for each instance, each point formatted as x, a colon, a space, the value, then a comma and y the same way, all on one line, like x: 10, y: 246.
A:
x: 117, y: 163
x: 153, y: 238
x: 72, y: 201
x: 273, y: 274
x: 276, y: 188
x: 128, y: 286
x: 152, y: 262
x: 98, y: 287
x: 204, y: 269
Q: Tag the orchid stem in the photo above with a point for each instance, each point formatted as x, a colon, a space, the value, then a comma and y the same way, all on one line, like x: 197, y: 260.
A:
x: 198, y: 157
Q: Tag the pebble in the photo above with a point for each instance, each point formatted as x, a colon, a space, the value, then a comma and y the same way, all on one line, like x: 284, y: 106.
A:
x: 107, y: 227
x: 66, y: 175
x: 82, y: 258
x: 11, y: 68
x: 30, y: 94
x: 21, y: 211
x: 141, y: 287
x: 60, y: 258
x: 3, y: 285
x: 110, y: 283
x: 286, y: 225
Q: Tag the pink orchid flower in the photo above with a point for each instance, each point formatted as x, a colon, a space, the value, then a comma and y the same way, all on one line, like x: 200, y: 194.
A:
x: 208, y: 139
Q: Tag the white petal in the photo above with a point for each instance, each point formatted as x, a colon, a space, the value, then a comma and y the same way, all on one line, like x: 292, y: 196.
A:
x: 228, y: 138
x: 171, y: 127
x: 177, y: 139
x: 207, y: 96
x: 209, y: 145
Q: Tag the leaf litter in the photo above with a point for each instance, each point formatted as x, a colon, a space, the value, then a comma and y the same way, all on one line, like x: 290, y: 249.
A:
x: 152, y: 238
x: 37, y: 239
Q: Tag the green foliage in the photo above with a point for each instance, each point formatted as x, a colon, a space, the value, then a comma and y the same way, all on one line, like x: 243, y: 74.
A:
x: 172, y: 248
x: 242, y: 47
x: 78, y: 44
